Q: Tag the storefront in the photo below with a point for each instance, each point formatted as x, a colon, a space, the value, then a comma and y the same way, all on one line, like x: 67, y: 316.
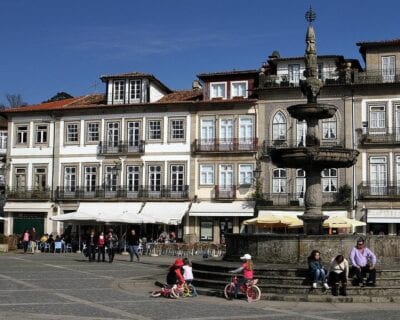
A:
x: 383, y: 221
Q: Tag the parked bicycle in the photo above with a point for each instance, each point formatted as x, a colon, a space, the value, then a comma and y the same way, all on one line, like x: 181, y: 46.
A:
x: 248, y: 289
x: 168, y: 291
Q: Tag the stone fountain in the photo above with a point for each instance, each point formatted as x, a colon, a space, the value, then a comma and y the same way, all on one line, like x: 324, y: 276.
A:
x: 312, y: 157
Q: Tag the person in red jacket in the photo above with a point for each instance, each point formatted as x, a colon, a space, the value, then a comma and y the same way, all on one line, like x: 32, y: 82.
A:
x: 101, y: 247
x: 174, y: 275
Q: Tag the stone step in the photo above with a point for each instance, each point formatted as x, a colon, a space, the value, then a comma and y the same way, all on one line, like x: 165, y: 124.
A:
x: 310, y: 297
x: 379, y: 290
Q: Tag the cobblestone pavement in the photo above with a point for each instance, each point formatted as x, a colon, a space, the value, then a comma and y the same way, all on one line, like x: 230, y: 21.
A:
x: 54, y: 287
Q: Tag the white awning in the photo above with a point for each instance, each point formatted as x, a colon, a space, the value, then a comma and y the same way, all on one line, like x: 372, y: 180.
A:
x: 124, y: 212
x: 165, y: 212
x: 27, y: 206
x: 221, y: 209
x: 383, y: 216
x: 333, y: 213
x: 1, y: 218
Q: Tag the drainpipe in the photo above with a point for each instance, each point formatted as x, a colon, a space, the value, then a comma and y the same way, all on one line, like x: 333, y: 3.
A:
x: 353, y: 214
x: 53, y: 158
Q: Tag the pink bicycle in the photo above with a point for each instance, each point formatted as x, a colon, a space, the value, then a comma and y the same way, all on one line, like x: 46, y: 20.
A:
x: 248, y: 289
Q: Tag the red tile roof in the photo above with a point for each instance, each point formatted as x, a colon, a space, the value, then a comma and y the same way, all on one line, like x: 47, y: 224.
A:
x: 182, y: 95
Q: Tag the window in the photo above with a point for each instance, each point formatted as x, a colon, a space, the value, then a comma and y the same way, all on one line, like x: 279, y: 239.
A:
x: 72, y: 133
x: 3, y: 139
x: 388, y: 68
x: 93, y: 132
x: 226, y: 177
x: 226, y: 132
x: 329, y: 128
x: 378, y: 175
x: 206, y: 230
x: 294, y: 73
x: 111, y: 178
x: 119, y: 90
x: 301, y: 132
x: 207, y: 131
x: 279, y: 181
x: 154, y: 178
x: 22, y: 134
x: 135, y: 90
x: 245, y: 174
x: 206, y: 174
x: 177, y: 129
x: 377, y: 117
x: 132, y: 178
x: 41, y: 134
x: 320, y: 69
x: 154, y: 128
x: 90, y: 178
x: 133, y: 136
x: 329, y: 180
x: 239, y: 89
x: 20, y: 178
x: 70, y: 179
x: 40, y: 179
x: 177, y: 177
x: 218, y: 90
x: 300, y: 184
x: 112, y: 135
x: 279, y: 127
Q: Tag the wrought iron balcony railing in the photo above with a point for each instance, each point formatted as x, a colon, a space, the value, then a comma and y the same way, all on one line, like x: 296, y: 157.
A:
x: 373, y: 136
x: 121, y: 147
x: 376, y: 77
x: 287, y: 80
x: 329, y: 199
x: 379, y: 190
x: 233, y: 145
x: 227, y: 192
x: 123, y: 192
x: 20, y: 193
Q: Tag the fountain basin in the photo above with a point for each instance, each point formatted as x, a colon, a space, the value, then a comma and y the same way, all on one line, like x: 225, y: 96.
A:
x: 312, y: 111
x: 314, y: 157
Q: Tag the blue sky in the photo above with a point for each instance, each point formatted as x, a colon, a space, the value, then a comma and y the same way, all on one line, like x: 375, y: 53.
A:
x: 55, y: 45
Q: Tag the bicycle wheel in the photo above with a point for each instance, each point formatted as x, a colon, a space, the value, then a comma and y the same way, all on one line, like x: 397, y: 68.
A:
x: 176, y: 292
x: 229, y: 291
x: 253, y: 293
x: 156, y: 294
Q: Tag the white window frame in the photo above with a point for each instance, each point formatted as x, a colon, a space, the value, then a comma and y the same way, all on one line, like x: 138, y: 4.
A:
x: 215, y: 85
x: 379, y: 122
x: 235, y: 86
x: 119, y: 91
x: 70, y: 178
x: 154, y: 177
x: 329, y: 128
x: 90, y: 133
x: 3, y: 139
x: 246, y: 174
x: 388, y: 70
x: 42, y: 134
x: 279, y: 128
x: 152, y: 131
x: 90, y: 178
x: 207, y: 174
x: 329, y: 180
x: 177, y: 177
x: 279, y: 180
x: 69, y: 134
x: 294, y: 73
x: 378, y: 187
x: 133, y: 178
x: 135, y: 90
x: 177, y: 133
x: 22, y: 134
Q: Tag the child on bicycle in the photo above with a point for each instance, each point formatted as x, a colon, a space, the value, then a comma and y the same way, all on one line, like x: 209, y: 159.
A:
x: 247, y: 269
x: 187, y: 271
x: 174, y: 275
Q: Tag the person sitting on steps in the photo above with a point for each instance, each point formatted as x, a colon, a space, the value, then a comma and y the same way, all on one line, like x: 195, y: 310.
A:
x: 338, y: 274
x: 363, y: 261
x: 316, y: 269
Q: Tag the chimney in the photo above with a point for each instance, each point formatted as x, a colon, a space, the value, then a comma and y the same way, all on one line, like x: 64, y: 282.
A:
x: 196, y: 85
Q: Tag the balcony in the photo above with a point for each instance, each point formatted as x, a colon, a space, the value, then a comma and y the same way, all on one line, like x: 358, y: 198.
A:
x: 379, y: 136
x: 295, y: 143
x: 286, y: 80
x: 233, y: 145
x: 376, y: 77
x: 379, y: 190
x: 28, y: 194
x: 121, y: 148
x: 225, y: 192
x: 125, y: 193
x: 282, y: 200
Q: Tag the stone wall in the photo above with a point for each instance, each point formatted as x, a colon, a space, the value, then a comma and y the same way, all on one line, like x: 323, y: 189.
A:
x: 294, y: 249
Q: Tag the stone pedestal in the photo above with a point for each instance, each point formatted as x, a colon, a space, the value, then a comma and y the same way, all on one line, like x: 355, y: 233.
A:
x: 313, y: 224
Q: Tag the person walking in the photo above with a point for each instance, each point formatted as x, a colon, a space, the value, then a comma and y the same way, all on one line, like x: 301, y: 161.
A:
x: 112, y: 244
x: 101, y: 247
x: 338, y: 273
x: 133, y: 242
x: 25, y: 240
x: 33, y: 240
x: 187, y: 271
x: 91, y: 246
x: 363, y: 261
x: 316, y: 269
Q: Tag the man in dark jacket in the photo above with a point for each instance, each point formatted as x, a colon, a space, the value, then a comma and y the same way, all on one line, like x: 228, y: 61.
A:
x: 91, y: 246
x: 133, y: 242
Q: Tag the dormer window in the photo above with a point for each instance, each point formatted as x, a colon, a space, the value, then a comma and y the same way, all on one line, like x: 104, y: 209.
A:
x: 135, y: 90
x: 218, y: 90
x: 119, y: 90
x: 239, y: 89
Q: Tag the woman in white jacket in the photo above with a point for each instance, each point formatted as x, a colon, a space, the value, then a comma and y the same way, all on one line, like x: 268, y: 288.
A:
x: 338, y: 274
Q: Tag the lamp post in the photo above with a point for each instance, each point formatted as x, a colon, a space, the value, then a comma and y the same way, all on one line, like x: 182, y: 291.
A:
x: 257, y: 181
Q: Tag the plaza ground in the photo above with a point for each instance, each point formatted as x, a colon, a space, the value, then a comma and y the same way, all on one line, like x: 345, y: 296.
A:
x: 54, y: 286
